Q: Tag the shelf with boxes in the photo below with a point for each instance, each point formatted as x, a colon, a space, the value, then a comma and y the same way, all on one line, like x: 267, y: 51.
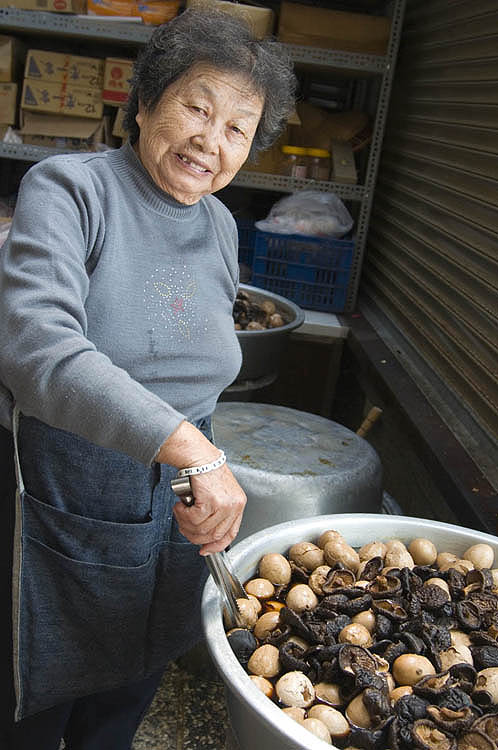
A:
x: 358, y: 46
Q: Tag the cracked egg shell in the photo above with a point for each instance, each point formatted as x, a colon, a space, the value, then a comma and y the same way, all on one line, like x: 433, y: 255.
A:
x: 276, y: 568
x: 249, y: 611
x: 295, y: 689
x: 329, y: 693
x: 296, y: 713
x: 333, y: 719
x: 318, y: 728
x: 307, y: 555
x: 455, y: 655
x: 372, y: 549
x: 357, y: 713
x: 480, y: 555
x: 261, y: 588
x: 301, y: 598
x: 263, y: 684
x: 318, y: 578
x: 266, y: 624
x: 331, y: 535
x: 365, y: 618
x: 264, y: 661
x: 486, y: 687
x: 355, y: 633
x: 341, y: 552
x: 399, y: 692
x: 423, y: 551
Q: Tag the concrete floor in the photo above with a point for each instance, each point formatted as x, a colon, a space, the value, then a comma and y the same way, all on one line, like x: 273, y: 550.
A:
x: 189, y: 710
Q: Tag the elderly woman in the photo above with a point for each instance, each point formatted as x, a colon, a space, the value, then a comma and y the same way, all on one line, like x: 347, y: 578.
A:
x: 117, y: 286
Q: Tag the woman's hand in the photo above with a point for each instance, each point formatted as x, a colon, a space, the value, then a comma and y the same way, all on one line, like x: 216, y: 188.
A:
x: 214, y: 519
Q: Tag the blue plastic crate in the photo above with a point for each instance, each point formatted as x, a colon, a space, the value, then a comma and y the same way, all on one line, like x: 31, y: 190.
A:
x: 313, y: 272
x: 247, y: 238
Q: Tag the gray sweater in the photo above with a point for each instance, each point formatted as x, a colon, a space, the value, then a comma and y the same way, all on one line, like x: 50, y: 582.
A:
x: 115, y: 303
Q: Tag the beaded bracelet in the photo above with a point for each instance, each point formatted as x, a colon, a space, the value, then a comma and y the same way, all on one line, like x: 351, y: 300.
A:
x: 203, y: 469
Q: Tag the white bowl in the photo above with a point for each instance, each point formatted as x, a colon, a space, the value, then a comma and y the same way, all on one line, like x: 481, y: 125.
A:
x: 258, y: 723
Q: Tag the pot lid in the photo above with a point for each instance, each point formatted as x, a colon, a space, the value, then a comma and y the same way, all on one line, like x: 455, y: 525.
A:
x: 280, y: 440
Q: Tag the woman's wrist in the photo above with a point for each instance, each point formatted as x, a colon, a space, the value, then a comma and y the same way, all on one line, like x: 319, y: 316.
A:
x: 187, y: 447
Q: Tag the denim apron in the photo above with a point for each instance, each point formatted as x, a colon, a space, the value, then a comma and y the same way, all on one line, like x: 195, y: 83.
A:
x: 106, y: 591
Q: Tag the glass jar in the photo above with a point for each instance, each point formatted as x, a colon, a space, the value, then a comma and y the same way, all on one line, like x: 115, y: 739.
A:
x: 295, y: 161
x: 318, y: 163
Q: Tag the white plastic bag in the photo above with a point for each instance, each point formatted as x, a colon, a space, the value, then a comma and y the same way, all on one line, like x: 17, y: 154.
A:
x: 309, y: 212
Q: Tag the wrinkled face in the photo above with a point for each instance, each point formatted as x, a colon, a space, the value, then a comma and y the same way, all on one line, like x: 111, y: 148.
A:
x: 199, y: 134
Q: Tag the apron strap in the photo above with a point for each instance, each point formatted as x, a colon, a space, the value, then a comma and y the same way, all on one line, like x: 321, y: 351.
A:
x: 15, y: 433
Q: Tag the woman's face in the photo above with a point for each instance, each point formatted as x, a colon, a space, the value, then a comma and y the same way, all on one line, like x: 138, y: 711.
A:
x: 199, y: 134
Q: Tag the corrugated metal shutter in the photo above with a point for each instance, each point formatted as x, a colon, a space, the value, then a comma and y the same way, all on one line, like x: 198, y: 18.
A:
x: 432, y: 252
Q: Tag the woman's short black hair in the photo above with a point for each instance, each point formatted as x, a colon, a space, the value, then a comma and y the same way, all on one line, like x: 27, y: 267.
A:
x: 219, y: 40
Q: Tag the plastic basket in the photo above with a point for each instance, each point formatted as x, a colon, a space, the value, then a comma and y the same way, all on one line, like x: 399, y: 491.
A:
x: 313, y: 272
x: 247, y: 238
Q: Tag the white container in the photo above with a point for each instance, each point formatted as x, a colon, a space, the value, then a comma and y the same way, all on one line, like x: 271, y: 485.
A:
x: 256, y: 721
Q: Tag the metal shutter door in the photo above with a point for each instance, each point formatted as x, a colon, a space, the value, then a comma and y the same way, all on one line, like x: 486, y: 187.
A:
x: 432, y: 261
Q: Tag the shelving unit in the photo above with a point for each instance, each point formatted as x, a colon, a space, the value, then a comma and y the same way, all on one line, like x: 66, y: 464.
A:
x: 376, y: 67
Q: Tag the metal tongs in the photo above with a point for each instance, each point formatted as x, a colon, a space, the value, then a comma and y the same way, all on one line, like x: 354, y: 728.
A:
x: 225, y: 579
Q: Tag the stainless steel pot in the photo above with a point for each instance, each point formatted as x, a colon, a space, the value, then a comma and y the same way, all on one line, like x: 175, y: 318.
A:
x: 256, y: 721
x: 262, y: 350
x: 292, y: 464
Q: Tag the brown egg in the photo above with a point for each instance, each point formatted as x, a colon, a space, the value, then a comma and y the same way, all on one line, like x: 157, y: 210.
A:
x: 408, y: 669
x: 261, y: 588
x: 423, y: 551
x: 264, y: 661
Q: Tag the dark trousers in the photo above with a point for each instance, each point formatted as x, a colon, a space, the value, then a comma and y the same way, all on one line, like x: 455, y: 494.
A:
x: 105, y: 721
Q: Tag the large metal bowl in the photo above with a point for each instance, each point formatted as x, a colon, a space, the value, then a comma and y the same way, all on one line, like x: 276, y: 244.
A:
x: 256, y: 721
x: 262, y: 350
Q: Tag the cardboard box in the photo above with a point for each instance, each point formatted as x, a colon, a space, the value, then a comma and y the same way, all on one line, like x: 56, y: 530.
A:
x: 8, y: 103
x: 117, y: 129
x: 62, y: 132
x: 61, y: 98
x: 76, y: 70
x: 52, y: 6
x: 269, y: 161
x: 117, y: 76
x: 150, y: 11
x: 319, y: 126
x: 333, y: 29
x: 11, y: 51
x: 261, y: 20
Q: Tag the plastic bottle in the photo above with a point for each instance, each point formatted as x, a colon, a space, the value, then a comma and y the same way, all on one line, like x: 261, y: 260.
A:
x: 295, y: 161
x: 318, y: 163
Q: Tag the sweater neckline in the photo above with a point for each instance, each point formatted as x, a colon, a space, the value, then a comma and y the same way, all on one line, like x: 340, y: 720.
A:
x: 130, y: 168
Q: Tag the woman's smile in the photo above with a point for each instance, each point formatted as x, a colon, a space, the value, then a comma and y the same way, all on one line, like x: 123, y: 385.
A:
x: 200, y: 133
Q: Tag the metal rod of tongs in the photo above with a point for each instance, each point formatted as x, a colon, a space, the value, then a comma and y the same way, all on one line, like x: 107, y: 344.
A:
x: 225, y: 579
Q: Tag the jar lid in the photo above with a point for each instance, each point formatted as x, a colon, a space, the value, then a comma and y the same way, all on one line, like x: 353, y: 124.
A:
x: 298, y: 150
x: 321, y: 152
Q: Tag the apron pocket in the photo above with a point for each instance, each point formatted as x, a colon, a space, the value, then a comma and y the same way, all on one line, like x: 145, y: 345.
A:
x: 175, y: 623
x: 88, y: 539
x: 86, y: 588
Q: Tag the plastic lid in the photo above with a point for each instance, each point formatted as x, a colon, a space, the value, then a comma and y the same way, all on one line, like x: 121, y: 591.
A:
x: 298, y: 150
x: 321, y: 152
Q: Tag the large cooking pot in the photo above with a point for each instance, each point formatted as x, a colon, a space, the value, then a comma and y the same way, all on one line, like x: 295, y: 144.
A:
x: 262, y: 350
x: 292, y: 464
x: 256, y: 721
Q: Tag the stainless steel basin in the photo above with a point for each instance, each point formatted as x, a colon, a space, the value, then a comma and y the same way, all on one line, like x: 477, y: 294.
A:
x: 256, y: 721
x: 262, y: 350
